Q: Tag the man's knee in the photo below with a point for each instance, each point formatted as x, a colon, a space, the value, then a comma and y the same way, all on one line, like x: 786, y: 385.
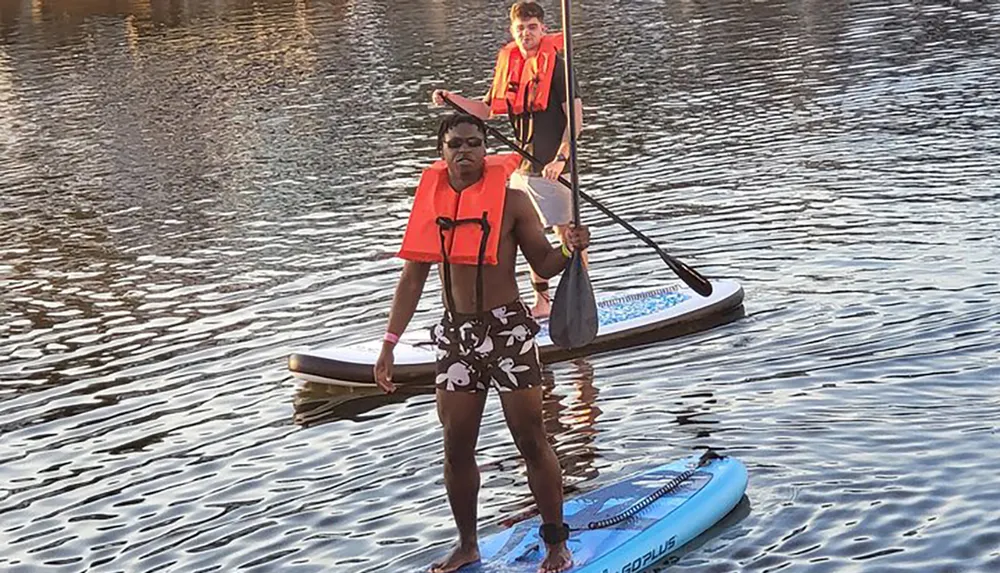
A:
x: 459, y: 450
x: 532, y: 443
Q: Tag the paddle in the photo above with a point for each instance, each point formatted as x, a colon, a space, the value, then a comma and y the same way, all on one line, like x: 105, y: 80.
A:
x: 573, y: 321
x: 691, y: 277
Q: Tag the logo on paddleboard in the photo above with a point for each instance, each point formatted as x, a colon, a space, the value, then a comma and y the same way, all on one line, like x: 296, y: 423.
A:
x: 640, y: 563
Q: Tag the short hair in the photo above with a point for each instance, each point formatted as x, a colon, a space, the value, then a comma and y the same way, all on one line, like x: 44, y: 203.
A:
x: 455, y: 120
x: 525, y: 10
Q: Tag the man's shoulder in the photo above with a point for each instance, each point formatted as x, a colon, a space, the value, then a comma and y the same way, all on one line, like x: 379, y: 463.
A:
x: 515, y: 194
x: 517, y: 199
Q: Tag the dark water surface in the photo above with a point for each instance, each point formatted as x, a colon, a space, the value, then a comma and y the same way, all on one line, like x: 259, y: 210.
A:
x: 191, y: 190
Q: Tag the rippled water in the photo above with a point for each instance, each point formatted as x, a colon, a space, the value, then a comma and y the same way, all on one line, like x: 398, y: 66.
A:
x: 191, y: 190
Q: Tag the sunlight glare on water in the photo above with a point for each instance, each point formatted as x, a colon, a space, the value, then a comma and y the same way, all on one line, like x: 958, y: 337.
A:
x: 190, y: 191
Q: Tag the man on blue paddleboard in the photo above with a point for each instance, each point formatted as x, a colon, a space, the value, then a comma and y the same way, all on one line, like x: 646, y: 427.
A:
x: 470, y: 223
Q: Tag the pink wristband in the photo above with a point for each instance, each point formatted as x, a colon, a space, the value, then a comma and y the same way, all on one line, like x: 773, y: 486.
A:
x: 391, y: 338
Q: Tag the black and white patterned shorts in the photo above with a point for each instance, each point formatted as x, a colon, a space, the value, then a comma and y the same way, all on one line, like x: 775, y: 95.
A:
x: 496, y: 349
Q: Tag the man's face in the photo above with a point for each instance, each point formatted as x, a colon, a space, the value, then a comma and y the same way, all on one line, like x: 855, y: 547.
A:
x: 464, y: 148
x: 527, y: 33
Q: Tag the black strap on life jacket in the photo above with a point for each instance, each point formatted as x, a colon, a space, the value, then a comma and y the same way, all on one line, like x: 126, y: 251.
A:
x: 446, y: 224
x: 524, y: 124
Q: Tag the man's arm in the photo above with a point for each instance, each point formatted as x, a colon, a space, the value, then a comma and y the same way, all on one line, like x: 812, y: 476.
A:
x: 404, y: 304
x: 578, y: 110
x: 546, y: 261
x: 555, y: 167
x: 408, y: 291
x: 478, y: 108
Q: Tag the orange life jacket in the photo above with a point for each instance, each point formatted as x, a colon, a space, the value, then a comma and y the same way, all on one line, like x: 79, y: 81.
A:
x: 436, y: 199
x: 517, y: 79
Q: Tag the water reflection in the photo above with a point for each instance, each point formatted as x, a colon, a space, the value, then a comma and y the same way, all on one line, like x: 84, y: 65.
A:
x: 576, y: 442
x: 191, y: 190
x: 570, y: 418
x: 324, y: 403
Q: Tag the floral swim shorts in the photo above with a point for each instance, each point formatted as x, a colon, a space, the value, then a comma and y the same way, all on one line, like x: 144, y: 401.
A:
x: 496, y: 349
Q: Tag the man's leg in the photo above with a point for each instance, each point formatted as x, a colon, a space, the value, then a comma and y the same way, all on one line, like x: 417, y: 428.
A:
x: 539, y: 190
x: 460, y: 414
x: 543, y: 298
x: 523, y: 412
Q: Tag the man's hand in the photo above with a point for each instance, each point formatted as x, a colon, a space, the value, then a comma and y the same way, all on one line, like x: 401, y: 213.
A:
x: 438, y: 96
x: 553, y: 170
x: 578, y: 237
x: 383, y: 370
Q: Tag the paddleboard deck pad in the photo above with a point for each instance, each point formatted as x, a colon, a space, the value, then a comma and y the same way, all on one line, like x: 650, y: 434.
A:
x: 703, y: 492
x: 627, y: 319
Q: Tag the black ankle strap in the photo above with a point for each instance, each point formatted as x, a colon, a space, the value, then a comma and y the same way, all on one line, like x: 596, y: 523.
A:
x: 541, y: 286
x: 553, y: 534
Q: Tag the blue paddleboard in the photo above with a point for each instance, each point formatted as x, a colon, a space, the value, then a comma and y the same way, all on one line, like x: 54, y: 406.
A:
x: 656, y: 526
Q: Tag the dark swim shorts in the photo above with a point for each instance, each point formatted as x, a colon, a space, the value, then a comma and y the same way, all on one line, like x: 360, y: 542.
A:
x: 495, y: 349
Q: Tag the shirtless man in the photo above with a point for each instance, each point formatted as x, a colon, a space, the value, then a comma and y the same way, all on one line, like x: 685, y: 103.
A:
x: 479, y: 349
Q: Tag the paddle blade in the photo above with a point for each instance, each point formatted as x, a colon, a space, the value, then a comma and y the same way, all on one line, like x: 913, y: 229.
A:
x: 691, y: 277
x: 573, y: 321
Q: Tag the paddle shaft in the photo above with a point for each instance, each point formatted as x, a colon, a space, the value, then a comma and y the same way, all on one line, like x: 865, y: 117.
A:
x: 691, y: 277
x: 571, y: 106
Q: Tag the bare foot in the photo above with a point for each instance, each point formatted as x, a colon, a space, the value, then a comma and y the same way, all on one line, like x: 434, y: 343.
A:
x: 459, y: 557
x: 558, y: 559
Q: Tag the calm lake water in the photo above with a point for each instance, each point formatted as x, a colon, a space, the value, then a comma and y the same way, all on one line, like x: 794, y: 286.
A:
x: 191, y: 190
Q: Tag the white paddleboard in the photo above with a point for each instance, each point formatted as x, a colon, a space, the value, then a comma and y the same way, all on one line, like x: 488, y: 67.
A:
x: 626, y: 319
